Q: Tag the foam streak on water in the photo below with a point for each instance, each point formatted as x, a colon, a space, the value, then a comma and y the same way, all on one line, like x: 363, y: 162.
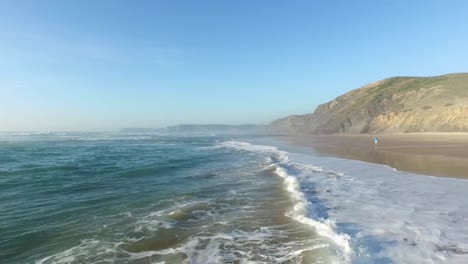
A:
x: 324, y: 227
x: 121, y: 198
x: 375, y: 214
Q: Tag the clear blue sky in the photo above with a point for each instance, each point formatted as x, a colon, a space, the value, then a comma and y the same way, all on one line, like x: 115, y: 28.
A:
x: 104, y: 65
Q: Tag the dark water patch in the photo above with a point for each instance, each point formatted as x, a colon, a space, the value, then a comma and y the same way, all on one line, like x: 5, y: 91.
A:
x: 30, y: 170
x: 163, y: 239
x: 143, y: 172
x: 5, y: 159
x: 207, y: 175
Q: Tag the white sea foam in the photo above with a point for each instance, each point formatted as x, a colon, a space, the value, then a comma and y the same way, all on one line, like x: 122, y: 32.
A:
x: 167, y: 217
x: 374, y: 213
x: 272, y: 153
x: 81, y: 252
x: 238, y: 245
x: 393, y: 215
x: 367, y: 213
x: 259, y: 246
x: 324, y: 227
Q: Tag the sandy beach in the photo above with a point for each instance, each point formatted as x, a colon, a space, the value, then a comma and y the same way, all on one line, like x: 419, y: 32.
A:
x: 436, y: 154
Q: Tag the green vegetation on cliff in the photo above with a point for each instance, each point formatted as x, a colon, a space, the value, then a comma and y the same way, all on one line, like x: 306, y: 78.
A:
x: 397, y: 104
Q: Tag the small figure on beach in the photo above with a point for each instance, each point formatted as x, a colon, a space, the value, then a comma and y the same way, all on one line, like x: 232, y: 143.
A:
x: 376, y: 140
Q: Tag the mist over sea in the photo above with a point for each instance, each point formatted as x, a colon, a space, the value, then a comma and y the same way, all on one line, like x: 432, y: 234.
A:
x: 147, y: 198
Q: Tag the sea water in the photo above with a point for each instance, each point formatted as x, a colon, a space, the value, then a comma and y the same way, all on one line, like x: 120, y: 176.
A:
x: 120, y: 198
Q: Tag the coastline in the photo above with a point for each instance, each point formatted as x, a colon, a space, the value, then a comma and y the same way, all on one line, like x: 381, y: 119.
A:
x: 433, y: 154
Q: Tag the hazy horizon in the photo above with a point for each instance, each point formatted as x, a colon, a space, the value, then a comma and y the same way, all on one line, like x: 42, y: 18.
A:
x: 116, y: 130
x: 108, y: 65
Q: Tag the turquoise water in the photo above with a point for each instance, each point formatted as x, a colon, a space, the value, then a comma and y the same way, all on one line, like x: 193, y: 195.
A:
x: 113, y: 198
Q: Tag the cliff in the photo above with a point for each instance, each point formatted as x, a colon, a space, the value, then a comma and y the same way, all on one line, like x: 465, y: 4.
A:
x: 398, y: 104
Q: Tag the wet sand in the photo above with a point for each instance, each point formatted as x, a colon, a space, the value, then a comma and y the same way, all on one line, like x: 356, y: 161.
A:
x: 436, y: 154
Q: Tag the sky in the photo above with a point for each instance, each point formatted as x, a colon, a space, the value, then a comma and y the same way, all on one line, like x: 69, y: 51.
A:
x: 104, y: 65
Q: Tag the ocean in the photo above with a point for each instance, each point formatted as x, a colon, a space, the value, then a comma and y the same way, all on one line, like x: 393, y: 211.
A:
x: 146, y: 198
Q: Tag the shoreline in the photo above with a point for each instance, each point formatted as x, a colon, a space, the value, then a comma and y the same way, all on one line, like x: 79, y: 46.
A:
x: 432, y: 154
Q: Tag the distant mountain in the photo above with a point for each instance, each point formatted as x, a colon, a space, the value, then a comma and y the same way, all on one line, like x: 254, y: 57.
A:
x: 197, y: 128
x: 398, y: 104
x: 139, y: 130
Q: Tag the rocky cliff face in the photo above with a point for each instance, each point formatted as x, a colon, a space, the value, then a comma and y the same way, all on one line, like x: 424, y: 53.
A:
x: 398, y: 104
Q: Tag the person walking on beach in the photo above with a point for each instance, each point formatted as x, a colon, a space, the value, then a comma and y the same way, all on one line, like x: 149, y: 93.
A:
x: 376, y: 141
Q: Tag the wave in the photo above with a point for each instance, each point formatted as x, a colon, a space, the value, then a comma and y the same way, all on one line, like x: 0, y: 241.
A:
x: 374, y: 213
x: 260, y: 204
x: 217, y: 242
x: 74, y: 136
x: 325, y: 227
x: 237, y: 246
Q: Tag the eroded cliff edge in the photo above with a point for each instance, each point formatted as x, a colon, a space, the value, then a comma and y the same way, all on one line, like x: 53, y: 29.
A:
x: 393, y: 105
